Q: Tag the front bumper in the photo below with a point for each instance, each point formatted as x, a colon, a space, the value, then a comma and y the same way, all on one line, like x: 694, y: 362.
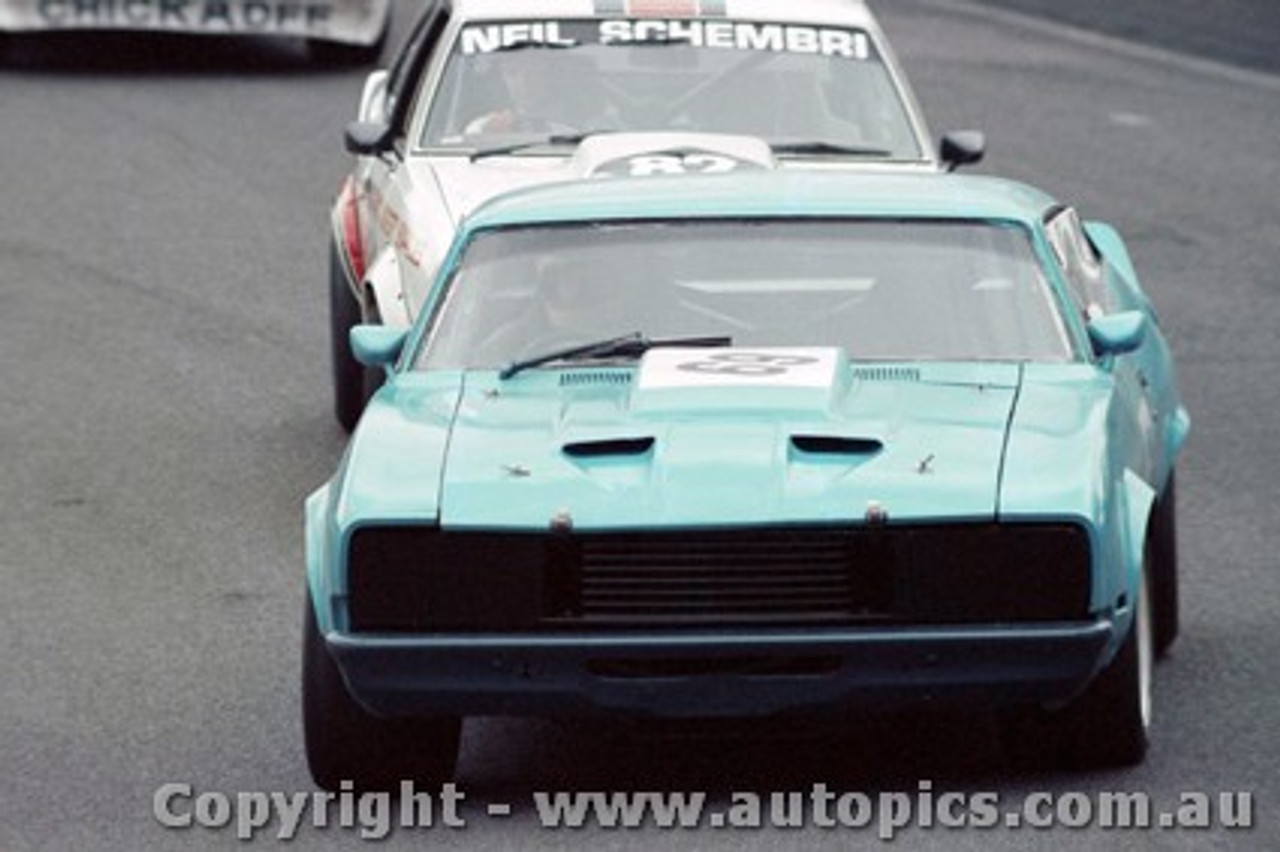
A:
x: 720, y: 674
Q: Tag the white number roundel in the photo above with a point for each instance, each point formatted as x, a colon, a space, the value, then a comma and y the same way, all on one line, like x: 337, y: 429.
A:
x: 738, y: 363
x: 787, y: 367
x: 680, y: 164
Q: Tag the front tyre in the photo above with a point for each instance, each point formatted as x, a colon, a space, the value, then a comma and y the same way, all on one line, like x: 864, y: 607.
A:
x: 345, y: 742
x: 348, y: 374
x: 1108, y: 725
x: 1164, y: 570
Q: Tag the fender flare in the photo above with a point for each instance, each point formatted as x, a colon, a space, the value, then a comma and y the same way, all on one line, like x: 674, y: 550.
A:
x: 1139, y: 500
x: 380, y: 286
x: 383, y: 286
x: 319, y: 583
x: 344, y: 224
x: 1107, y: 240
x: 1176, y: 434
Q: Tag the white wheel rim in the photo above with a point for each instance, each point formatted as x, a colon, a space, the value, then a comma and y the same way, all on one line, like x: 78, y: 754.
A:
x: 1145, y: 653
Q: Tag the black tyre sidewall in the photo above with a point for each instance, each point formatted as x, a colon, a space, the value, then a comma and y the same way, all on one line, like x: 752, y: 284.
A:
x: 1164, y: 580
x: 329, y: 721
x: 348, y: 374
x: 344, y: 742
x: 1100, y: 729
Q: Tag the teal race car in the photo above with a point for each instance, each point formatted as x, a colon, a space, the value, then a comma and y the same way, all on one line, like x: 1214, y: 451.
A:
x: 766, y: 444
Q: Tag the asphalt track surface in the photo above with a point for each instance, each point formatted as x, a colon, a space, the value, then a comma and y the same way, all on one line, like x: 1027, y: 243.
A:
x: 1245, y: 33
x: 165, y: 409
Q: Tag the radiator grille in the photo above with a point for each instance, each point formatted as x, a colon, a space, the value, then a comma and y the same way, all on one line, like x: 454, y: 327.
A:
x: 805, y: 575
x: 422, y: 579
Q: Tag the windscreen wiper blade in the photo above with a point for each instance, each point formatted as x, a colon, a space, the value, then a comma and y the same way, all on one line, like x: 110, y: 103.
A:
x: 553, y: 140
x: 626, y: 346
x: 533, y: 45
x: 661, y: 41
x: 819, y: 146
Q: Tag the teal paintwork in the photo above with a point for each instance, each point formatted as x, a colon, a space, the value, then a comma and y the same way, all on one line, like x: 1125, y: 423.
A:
x: 719, y: 461
x: 1118, y: 334
x: 377, y: 346
x: 1091, y: 442
x: 770, y: 194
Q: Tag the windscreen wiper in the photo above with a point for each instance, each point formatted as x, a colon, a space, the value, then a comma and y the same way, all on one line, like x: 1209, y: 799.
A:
x: 627, y: 346
x: 553, y: 140
x: 533, y: 45
x: 819, y: 146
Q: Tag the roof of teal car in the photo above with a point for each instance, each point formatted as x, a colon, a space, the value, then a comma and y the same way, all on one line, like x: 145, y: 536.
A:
x: 768, y: 194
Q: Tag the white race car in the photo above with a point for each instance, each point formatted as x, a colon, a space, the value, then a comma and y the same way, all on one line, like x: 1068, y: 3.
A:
x: 339, y: 31
x: 487, y: 96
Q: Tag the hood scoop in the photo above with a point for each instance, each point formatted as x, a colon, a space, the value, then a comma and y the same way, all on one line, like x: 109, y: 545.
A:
x: 835, y: 445
x: 468, y: 183
x: 608, y: 447
x: 718, y: 438
x: 648, y: 154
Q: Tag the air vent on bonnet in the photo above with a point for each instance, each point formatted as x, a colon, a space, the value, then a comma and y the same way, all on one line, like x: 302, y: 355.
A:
x: 590, y: 378
x: 609, y: 447
x: 836, y: 445
x: 887, y: 374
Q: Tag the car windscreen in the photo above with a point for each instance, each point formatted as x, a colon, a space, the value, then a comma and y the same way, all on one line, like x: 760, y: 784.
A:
x: 878, y: 289
x: 787, y: 84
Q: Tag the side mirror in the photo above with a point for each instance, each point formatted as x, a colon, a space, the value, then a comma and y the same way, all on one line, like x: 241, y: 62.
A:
x: 962, y: 148
x: 368, y: 138
x: 1116, y: 334
x: 377, y: 345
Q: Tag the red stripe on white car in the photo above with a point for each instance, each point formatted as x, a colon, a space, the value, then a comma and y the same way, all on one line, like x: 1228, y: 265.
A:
x: 351, y: 229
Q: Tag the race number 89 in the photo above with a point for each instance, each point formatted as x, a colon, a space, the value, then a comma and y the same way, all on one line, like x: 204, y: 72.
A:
x: 746, y: 364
